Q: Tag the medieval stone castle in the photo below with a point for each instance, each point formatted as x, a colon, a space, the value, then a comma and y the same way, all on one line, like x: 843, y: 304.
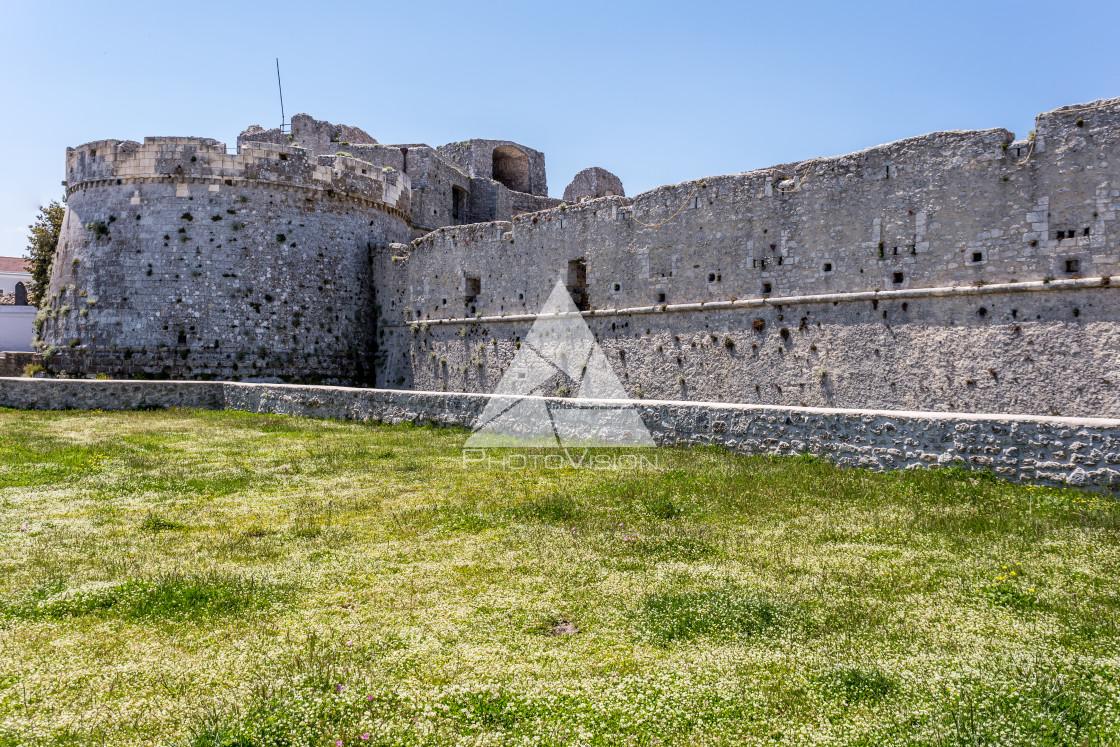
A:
x: 962, y: 271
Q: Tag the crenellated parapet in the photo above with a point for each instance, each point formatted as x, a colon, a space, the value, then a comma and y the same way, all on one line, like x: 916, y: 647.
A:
x: 187, y: 160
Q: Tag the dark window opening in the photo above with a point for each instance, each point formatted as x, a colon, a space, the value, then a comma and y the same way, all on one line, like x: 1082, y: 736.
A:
x: 661, y: 298
x: 577, y: 283
x: 458, y: 203
x: 977, y: 256
x: 1073, y: 265
x: 828, y: 267
x: 982, y: 311
x: 894, y: 251
x: 182, y: 337
x: 617, y: 287
x: 1086, y: 231
x: 896, y: 277
x: 21, y: 294
x: 766, y: 288
x: 471, y: 289
x: 511, y: 168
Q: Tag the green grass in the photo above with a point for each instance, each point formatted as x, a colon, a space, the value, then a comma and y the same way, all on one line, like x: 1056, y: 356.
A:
x: 204, y: 578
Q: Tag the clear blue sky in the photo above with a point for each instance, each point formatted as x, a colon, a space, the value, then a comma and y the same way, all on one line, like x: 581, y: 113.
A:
x: 655, y: 92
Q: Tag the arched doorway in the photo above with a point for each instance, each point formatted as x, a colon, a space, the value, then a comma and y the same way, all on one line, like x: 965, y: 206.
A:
x: 21, y: 294
x: 511, y: 168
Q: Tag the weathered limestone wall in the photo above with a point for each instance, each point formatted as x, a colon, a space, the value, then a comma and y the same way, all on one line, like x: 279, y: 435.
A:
x: 591, y: 183
x: 177, y: 259
x: 1033, y: 348
x: 14, y: 363
x: 518, y: 167
x: 952, y: 209
x: 1076, y: 451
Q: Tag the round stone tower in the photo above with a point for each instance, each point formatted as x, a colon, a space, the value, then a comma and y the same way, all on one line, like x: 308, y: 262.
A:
x: 179, y: 260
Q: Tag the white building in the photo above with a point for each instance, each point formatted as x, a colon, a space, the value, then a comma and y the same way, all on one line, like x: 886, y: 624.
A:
x: 15, y: 321
x: 14, y: 270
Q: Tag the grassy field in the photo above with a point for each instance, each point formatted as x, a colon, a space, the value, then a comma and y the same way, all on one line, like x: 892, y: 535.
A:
x: 199, y: 578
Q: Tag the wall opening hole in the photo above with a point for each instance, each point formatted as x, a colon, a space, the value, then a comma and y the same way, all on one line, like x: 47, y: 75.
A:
x: 511, y: 168
x: 616, y: 287
x: 577, y: 283
x: 471, y: 288
x: 1086, y: 231
x: 1073, y: 265
x: 661, y: 298
x: 978, y: 256
x: 458, y: 203
x: 983, y: 312
x: 828, y: 267
x: 896, y: 277
x: 766, y: 288
x: 182, y: 337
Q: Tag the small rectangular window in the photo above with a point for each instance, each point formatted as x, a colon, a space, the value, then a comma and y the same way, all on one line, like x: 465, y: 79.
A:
x: 828, y: 267
x: 897, y: 277
x: 977, y: 256
x: 766, y: 288
x: 472, y: 288
x: 577, y: 283
x: 1073, y: 265
x: 661, y: 298
x: 458, y: 203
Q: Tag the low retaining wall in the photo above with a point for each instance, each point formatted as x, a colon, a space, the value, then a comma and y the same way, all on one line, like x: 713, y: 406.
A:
x: 1075, y: 451
x: 13, y: 362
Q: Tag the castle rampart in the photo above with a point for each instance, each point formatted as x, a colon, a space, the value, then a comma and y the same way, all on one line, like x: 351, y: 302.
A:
x: 178, y: 259
x: 954, y: 271
x: 949, y: 209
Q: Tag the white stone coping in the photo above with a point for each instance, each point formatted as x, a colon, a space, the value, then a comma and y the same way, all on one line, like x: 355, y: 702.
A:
x: 741, y: 407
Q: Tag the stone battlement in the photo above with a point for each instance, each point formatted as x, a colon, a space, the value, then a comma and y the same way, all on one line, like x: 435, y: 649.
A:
x: 187, y: 159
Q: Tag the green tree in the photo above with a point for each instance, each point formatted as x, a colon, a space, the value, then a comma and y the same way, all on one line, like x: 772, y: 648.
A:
x: 41, y: 245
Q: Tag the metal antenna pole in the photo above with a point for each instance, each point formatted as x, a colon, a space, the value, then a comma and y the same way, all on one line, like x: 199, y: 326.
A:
x: 283, y: 120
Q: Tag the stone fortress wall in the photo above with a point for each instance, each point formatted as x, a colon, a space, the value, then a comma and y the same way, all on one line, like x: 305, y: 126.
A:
x: 181, y: 260
x: 956, y: 271
x: 178, y: 259
x: 472, y: 181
